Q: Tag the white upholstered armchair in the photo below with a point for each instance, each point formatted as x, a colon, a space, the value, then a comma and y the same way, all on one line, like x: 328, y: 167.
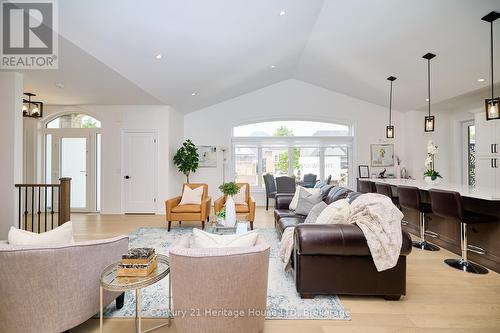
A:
x: 205, y: 282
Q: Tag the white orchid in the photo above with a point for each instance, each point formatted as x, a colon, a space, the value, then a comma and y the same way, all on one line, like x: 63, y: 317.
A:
x: 428, y: 162
x: 432, y: 149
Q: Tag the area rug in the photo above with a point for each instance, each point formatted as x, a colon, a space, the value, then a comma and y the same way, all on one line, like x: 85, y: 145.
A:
x: 283, y: 301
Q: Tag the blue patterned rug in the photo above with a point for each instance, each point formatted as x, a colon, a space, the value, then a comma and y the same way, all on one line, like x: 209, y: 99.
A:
x: 283, y: 301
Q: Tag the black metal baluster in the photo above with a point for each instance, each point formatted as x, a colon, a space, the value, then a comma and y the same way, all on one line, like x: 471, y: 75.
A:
x: 33, y: 209
x: 45, y: 210
x: 52, y: 205
x: 20, y: 211
x: 39, y: 212
x: 25, y: 207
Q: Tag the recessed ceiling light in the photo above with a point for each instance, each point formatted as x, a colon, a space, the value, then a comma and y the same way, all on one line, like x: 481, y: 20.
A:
x: 273, y: 66
x: 193, y: 94
x: 159, y: 56
x: 59, y: 85
x: 481, y: 80
x: 282, y: 13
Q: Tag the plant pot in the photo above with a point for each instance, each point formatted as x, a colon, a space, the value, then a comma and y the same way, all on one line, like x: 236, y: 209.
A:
x: 230, y: 212
x: 429, y: 180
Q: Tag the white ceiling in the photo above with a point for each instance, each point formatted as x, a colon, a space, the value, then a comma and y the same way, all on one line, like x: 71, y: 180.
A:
x: 224, y: 48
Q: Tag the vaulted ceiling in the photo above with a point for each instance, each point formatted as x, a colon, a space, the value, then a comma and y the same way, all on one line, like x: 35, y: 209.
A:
x: 219, y: 49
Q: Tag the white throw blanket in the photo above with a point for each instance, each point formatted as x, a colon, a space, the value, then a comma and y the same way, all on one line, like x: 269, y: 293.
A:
x: 286, y: 248
x: 380, y: 221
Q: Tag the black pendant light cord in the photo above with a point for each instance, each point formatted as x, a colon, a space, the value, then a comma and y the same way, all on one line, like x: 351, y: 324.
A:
x: 492, y: 82
x: 429, y: 85
x: 390, y: 106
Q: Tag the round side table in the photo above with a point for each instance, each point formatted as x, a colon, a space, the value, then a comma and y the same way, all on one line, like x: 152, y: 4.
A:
x: 110, y: 281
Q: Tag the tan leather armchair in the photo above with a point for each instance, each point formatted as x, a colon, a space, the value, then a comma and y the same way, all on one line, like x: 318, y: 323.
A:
x: 248, y: 208
x: 176, y: 212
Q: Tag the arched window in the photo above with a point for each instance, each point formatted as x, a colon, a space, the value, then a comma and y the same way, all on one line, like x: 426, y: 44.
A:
x: 74, y: 120
x: 293, y: 148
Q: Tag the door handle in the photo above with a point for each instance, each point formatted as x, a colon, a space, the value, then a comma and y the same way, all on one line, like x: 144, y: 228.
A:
x: 491, y: 148
x: 127, y: 177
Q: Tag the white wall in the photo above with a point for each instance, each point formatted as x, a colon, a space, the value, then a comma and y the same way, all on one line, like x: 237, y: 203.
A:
x: 289, y: 100
x: 11, y: 146
x: 167, y: 122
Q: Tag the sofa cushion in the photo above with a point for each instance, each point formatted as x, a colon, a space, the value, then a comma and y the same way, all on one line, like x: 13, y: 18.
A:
x: 353, y: 196
x: 290, y: 222
x: 191, y: 196
x: 242, y: 208
x: 296, y: 196
x: 307, y: 201
x: 202, y: 239
x: 241, y: 196
x: 280, y: 213
x: 336, y: 193
x: 58, y: 236
x: 315, y: 212
x: 336, y: 213
x: 187, y: 209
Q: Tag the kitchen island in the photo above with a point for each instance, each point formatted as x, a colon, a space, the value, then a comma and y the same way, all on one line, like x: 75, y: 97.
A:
x: 446, y: 233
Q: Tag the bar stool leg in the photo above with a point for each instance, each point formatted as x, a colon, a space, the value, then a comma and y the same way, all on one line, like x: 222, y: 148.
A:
x: 463, y: 264
x: 422, y: 243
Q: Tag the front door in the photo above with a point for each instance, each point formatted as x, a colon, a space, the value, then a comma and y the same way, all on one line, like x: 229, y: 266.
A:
x: 139, y: 171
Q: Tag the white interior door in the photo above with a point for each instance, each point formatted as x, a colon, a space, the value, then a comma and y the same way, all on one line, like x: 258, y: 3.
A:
x: 139, y: 171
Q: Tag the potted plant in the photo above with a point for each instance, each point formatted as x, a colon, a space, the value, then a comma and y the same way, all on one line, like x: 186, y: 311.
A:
x: 431, y: 176
x: 221, y: 216
x: 230, y: 189
x: 186, y: 158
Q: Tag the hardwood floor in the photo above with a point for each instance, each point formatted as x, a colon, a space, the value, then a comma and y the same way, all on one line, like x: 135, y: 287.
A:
x: 439, y: 299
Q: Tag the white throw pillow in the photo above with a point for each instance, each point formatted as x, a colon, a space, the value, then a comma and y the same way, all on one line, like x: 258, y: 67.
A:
x: 58, y: 236
x: 190, y: 196
x: 295, y: 199
x: 336, y: 213
x: 202, y: 239
x: 240, y: 197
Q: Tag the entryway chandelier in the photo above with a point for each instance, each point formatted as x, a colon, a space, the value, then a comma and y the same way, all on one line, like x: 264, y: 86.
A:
x: 31, y: 108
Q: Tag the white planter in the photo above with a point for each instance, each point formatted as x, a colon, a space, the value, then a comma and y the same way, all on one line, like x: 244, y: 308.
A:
x: 230, y: 212
x: 429, y: 181
x: 398, y: 172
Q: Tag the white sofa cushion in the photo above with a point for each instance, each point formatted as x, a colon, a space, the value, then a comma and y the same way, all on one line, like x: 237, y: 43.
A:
x: 336, y: 213
x: 202, y: 239
x: 191, y: 196
x: 295, y: 199
x: 58, y: 236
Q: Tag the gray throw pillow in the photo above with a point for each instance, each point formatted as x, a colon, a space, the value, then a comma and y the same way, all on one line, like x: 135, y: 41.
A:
x: 315, y: 211
x: 307, y: 201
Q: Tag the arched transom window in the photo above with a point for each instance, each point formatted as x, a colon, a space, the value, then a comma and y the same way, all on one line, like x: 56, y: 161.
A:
x: 74, y: 120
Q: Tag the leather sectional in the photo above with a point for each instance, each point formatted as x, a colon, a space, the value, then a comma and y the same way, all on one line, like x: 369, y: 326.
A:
x: 335, y: 258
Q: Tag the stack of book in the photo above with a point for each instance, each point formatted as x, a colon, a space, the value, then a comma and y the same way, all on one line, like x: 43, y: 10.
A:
x: 137, y: 262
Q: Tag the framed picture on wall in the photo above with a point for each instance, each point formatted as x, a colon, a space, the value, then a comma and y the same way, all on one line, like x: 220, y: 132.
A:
x: 207, y: 156
x: 382, y: 155
x: 363, y: 171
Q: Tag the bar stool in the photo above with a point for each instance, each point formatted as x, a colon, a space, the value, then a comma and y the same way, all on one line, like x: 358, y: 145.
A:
x: 385, y: 189
x: 409, y: 198
x: 367, y: 186
x: 449, y: 204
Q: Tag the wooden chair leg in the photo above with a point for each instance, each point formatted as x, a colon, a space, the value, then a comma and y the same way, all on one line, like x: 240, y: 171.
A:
x: 202, y: 225
x: 180, y: 222
x: 169, y: 224
x: 251, y: 225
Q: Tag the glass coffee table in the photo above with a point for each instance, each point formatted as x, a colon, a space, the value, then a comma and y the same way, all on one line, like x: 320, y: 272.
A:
x: 110, y: 281
x: 241, y: 227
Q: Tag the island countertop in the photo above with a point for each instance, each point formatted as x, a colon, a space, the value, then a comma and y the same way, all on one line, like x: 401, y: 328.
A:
x: 491, y: 194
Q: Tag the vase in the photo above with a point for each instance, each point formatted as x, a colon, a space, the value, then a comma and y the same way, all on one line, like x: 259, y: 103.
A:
x: 429, y: 180
x: 230, y: 212
x: 398, y: 172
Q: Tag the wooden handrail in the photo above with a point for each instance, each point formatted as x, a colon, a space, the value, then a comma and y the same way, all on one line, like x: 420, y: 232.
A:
x: 37, y: 185
x: 65, y: 200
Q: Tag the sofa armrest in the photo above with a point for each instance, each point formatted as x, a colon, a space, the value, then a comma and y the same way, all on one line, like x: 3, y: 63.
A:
x: 219, y: 203
x: 251, y: 209
x: 283, y: 201
x: 336, y: 239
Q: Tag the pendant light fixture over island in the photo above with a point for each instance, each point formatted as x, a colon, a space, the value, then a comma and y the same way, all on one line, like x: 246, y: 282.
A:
x: 492, y: 104
x: 389, y: 130
x: 429, y: 120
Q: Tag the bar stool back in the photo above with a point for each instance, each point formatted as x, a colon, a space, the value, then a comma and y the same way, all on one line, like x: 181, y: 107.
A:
x: 449, y: 204
x: 367, y: 186
x: 386, y: 189
x: 409, y: 198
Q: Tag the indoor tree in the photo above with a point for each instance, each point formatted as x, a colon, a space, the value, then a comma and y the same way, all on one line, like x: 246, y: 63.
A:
x: 282, y: 163
x: 186, y: 158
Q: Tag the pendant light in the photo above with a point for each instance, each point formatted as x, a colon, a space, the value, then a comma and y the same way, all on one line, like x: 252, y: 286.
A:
x: 492, y: 104
x: 429, y: 120
x: 389, y: 130
x: 31, y: 108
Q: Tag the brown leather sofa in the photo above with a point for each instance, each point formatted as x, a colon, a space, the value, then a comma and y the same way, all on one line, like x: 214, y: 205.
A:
x: 247, y: 209
x: 335, y: 258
